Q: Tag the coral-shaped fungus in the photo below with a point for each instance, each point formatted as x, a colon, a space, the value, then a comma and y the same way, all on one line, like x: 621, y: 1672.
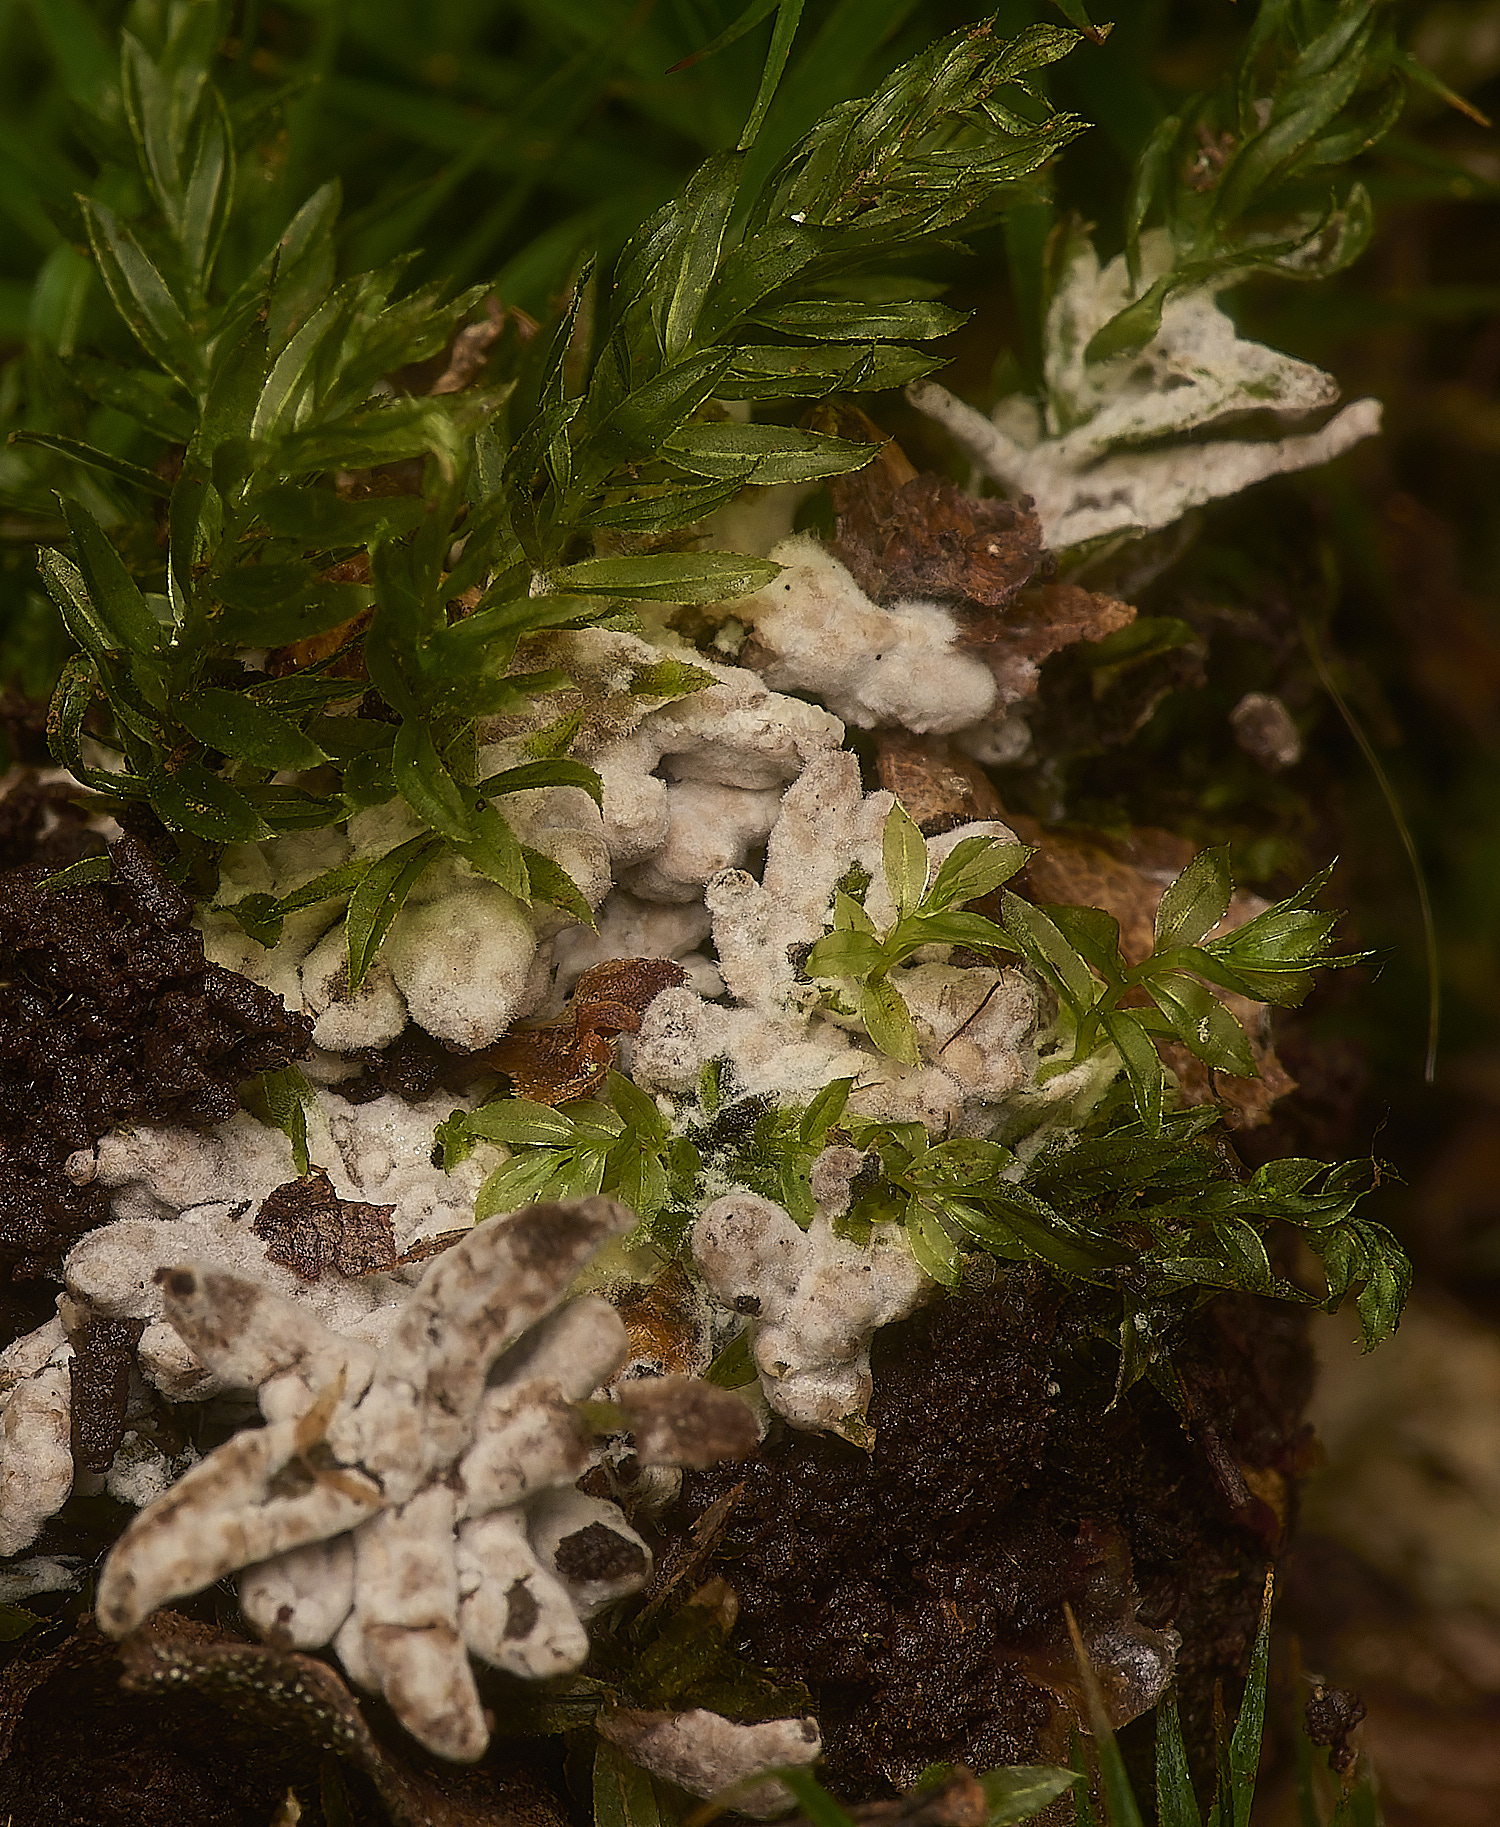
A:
x: 416, y: 1505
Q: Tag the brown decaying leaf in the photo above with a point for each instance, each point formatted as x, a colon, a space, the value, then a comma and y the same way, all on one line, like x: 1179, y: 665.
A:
x: 103, y: 1359
x: 667, y: 1323
x: 906, y: 535
x: 1042, y: 621
x: 684, y: 1557
x: 316, y: 648
x: 901, y: 534
x: 309, y: 1229
x: 939, y: 787
x: 553, y: 1061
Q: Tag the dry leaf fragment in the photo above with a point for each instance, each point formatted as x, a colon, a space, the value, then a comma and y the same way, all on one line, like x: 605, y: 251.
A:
x: 308, y: 1229
x: 553, y: 1061
x: 922, y: 536
x: 1040, y: 622
x: 939, y: 787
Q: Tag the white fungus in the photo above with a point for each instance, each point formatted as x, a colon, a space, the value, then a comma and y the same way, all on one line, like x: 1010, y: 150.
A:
x: 1116, y: 453
x: 434, y: 1459
x: 815, y: 1301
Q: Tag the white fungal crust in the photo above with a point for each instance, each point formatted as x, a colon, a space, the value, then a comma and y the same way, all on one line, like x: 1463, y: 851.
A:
x: 463, y: 963
x: 816, y: 1300
x: 36, y: 1460
x: 1089, y: 470
x: 379, y: 1153
x: 706, y: 1754
x: 405, y: 1504
x: 817, y: 631
x: 790, y: 1036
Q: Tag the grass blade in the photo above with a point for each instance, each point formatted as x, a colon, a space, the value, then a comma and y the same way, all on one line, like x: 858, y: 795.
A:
x: 1119, y: 1799
x: 1176, y: 1805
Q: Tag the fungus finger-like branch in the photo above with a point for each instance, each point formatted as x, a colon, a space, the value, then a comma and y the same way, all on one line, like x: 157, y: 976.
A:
x: 253, y: 1498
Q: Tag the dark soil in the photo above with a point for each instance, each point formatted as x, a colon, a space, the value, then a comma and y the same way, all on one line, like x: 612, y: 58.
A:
x: 919, y: 1592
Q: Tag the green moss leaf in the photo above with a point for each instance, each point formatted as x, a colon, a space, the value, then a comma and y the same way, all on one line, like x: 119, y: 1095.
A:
x: 1196, y: 902
x: 192, y: 799
x: 236, y: 725
x: 668, y: 577
x: 379, y: 897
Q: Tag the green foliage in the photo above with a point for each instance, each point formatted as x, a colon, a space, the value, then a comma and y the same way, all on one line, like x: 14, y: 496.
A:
x: 776, y: 1158
x: 1270, y: 958
x: 281, y: 382
x: 1150, y: 1217
x: 1076, y: 952
x: 925, y: 915
x: 1237, y: 1764
x: 280, y: 1100
x: 623, y: 1148
x: 1243, y: 178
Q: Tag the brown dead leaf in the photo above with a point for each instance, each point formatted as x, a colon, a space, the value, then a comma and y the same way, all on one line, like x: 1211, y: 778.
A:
x: 1041, y: 621
x: 922, y: 536
x: 938, y: 786
x: 554, y: 1061
x: 667, y: 1323
x: 309, y: 1229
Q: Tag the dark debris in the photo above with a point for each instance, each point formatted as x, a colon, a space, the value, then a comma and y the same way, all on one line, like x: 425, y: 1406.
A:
x: 918, y: 1592
x: 111, y: 1015
x: 309, y: 1230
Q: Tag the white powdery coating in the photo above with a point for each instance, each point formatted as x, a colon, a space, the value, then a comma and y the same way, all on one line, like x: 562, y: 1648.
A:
x: 817, y: 1301
x: 1087, y: 475
x: 23, y: 1580
x: 352, y: 1495
x: 274, y: 868
x: 563, y: 823
x: 142, y: 1470
x: 379, y: 1153
x: 770, y: 1053
x: 463, y: 962
x: 303, y: 1596
x: 705, y: 1753
x: 157, y: 1170
x: 372, y: 1016
x: 709, y: 828
x: 975, y: 1027
x: 36, y: 1459
x: 35, y: 1416
x: 629, y: 928
x: 816, y: 630
x: 558, y: 1514
x: 459, y: 958
x: 735, y: 733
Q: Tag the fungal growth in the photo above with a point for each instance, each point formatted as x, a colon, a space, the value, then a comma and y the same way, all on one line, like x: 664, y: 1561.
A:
x: 568, y: 1021
x: 415, y: 1505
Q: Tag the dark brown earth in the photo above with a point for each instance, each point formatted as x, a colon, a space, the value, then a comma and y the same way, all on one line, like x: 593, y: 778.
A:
x: 919, y: 1592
